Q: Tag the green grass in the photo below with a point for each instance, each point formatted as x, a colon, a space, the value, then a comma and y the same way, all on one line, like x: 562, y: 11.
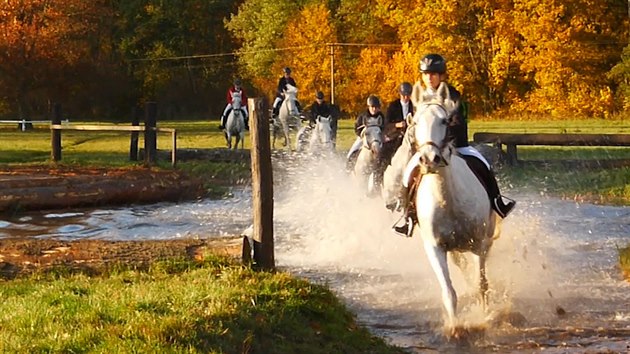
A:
x: 624, y: 261
x: 178, y: 306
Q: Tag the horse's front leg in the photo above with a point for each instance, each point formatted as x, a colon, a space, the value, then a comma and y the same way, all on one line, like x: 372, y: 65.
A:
x: 228, y: 140
x: 438, y: 260
x: 483, y: 281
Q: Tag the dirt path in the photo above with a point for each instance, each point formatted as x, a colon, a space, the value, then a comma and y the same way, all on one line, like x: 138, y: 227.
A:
x: 24, y: 256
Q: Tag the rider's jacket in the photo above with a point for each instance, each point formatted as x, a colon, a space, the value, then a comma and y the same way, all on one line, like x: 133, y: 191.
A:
x: 282, y: 84
x: 458, y: 128
x: 363, y: 118
x: 243, y: 95
x: 317, y: 109
x: 395, y: 115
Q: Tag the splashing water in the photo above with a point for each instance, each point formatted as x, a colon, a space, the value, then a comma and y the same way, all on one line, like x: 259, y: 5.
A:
x: 554, y: 276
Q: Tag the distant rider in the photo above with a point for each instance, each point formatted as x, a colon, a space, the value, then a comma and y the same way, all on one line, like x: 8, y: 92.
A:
x: 373, y: 111
x: 226, y: 112
x: 285, y: 80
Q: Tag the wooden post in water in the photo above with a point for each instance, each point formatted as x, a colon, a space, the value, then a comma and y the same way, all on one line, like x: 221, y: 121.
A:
x: 150, y: 135
x: 55, y: 136
x: 262, y: 185
x: 136, y: 113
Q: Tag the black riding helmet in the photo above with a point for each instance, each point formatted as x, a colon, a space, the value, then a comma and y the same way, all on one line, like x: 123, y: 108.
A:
x: 405, y: 89
x: 374, y: 101
x: 237, y: 82
x: 319, y: 95
x: 286, y: 70
x: 433, y: 63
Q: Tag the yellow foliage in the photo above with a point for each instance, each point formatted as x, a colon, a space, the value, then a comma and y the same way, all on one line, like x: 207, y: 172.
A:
x: 309, y: 33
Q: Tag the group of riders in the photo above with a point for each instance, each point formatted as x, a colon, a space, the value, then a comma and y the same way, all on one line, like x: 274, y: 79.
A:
x: 397, y: 148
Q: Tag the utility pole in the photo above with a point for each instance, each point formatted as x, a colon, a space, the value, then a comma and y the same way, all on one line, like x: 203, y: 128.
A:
x: 332, y: 72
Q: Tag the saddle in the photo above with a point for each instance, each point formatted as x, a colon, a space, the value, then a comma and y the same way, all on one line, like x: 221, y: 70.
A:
x: 412, y: 176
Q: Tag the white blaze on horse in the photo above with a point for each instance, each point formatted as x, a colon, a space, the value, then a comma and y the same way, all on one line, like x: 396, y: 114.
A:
x: 316, y: 138
x: 452, y: 208
x: 366, y: 167
x: 288, y: 115
x: 235, y: 125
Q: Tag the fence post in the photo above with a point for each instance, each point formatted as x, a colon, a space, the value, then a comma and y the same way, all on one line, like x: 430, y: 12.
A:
x: 150, y: 135
x: 136, y: 112
x: 174, y: 145
x: 55, y: 136
x: 262, y: 185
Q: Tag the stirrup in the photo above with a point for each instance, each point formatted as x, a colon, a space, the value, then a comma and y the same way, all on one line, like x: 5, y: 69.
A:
x: 406, y: 229
x: 502, y: 208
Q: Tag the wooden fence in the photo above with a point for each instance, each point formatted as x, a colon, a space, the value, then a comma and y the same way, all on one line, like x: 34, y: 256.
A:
x: 149, y: 129
x: 513, y: 140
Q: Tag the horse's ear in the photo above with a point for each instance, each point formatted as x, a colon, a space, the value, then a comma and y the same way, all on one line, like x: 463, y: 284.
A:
x: 416, y: 94
x: 443, y: 93
x: 409, y: 119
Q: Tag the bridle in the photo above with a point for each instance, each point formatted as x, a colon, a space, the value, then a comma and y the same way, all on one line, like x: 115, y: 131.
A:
x: 443, y: 145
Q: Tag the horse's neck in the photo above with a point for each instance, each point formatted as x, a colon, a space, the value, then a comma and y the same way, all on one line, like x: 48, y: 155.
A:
x: 286, y: 106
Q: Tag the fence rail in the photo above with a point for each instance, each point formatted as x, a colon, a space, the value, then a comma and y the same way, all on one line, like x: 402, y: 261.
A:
x: 512, y: 140
x: 136, y: 128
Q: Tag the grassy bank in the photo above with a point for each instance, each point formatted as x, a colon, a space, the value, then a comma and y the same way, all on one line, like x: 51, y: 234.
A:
x: 178, y: 306
x: 624, y: 261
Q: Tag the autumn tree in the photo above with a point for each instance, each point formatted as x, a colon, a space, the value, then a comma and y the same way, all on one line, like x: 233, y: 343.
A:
x: 43, y: 45
x: 312, y: 31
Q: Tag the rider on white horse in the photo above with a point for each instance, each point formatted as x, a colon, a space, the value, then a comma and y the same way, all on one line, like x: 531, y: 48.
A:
x: 433, y: 70
x: 285, y: 80
x: 321, y: 108
x: 396, y: 123
x: 373, y: 111
x: 226, y: 112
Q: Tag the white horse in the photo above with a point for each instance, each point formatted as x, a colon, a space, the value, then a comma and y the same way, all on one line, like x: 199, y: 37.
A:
x: 235, y: 126
x: 288, y: 115
x: 452, y: 207
x: 366, y: 169
x: 316, y: 138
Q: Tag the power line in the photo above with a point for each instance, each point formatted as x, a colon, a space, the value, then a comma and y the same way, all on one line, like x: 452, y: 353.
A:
x: 231, y: 54
x: 204, y: 56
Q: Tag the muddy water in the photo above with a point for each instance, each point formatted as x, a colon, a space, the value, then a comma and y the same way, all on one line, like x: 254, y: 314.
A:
x: 555, y: 283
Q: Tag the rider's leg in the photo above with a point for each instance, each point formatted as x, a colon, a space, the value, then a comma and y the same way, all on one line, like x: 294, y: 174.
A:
x: 352, y: 154
x: 276, y: 105
x: 245, y: 117
x: 224, y: 116
x: 395, y: 192
x: 478, y: 163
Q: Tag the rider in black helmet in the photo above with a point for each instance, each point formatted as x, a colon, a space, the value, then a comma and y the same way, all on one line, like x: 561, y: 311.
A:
x: 373, y: 111
x: 433, y: 70
x: 321, y: 108
x: 285, y: 80
x: 233, y: 89
x: 395, y: 123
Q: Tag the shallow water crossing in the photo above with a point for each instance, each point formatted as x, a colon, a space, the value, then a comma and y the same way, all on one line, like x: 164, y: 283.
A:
x: 555, y: 282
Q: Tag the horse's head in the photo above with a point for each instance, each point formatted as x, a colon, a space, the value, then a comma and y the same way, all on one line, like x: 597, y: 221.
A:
x: 429, y: 123
x: 373, y: 135
x: 290, y: 100
x: 236, y: 101
x: 323, y: 130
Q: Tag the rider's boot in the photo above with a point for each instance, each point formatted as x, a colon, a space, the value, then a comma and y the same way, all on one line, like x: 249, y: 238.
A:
x: 406, y: 229
x: 222, y: 124
x: 501, y: 207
